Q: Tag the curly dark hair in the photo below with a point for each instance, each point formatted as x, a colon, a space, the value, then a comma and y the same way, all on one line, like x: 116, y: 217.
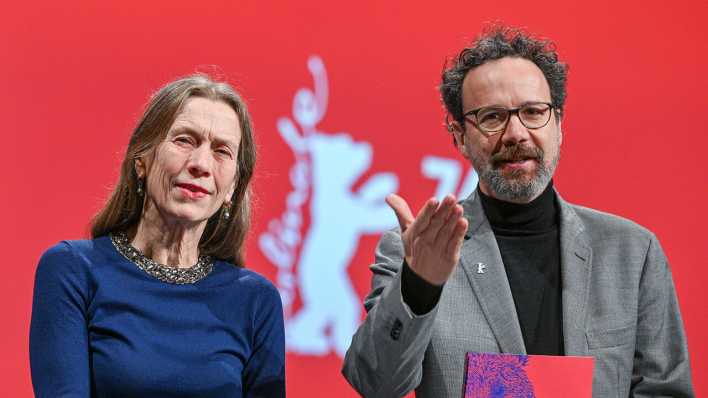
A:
x: 499, y: 42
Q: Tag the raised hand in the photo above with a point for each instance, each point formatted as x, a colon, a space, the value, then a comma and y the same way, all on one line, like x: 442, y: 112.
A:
x: 431, y: 240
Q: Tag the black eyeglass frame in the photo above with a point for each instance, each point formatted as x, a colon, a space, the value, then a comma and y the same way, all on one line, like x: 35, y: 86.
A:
x: 511, y: 112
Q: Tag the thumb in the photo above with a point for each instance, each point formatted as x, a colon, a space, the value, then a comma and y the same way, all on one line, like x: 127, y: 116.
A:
x: 402, y: 210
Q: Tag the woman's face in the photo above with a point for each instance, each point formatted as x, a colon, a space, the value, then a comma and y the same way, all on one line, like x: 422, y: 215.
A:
x: 192, y: 172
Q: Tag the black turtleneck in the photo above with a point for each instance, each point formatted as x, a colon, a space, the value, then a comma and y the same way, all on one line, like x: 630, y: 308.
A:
x: 529, y: 243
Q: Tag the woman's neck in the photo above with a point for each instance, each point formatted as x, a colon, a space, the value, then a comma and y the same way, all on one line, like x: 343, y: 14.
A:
x: 167, y: 242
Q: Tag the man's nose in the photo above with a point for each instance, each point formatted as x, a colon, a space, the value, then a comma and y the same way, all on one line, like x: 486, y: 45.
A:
x: 515, y: 131
x: 200, y: 162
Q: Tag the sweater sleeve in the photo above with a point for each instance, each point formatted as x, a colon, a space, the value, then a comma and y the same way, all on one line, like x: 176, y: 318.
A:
x: 264, y: 373
x: 420, y: 295
x: 58, y: 330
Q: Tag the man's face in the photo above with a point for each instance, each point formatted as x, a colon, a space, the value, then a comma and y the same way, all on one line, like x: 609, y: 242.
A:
x: 517, y: 163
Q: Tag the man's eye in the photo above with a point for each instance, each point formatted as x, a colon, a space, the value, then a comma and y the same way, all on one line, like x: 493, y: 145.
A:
x: 534, y: 111
x: 183, y: 140
x: 490, y: 116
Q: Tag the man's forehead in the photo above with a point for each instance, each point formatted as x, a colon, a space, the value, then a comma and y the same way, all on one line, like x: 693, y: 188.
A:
x: 507, y: 81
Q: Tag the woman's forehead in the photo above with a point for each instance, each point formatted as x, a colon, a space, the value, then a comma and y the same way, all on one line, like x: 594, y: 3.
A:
x: 208, y: 117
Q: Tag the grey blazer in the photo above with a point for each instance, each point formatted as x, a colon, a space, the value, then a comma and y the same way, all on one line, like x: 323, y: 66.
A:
x: 619, y: 306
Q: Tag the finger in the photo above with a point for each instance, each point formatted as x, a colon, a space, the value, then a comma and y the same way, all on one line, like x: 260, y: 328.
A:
x: 402, y: 210
x: 438, y: 219
x: 446, y: 230
x: 455, y: 243
x: 423, y: 218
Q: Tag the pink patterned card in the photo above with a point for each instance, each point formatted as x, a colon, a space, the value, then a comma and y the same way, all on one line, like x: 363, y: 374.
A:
x: 527, y: 376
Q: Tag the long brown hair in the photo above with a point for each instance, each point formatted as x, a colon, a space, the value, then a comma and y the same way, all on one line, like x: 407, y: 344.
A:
x: 222, y: 239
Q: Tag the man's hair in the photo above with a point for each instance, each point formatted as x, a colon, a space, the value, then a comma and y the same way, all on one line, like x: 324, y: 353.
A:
x: 222, y: 238
x: 499, y: 42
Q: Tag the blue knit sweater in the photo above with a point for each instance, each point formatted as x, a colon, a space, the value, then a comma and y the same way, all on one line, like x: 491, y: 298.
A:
x: 101, y: 327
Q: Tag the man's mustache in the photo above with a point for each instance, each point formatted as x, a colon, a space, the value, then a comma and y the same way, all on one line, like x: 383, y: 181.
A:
x: 516, y: 153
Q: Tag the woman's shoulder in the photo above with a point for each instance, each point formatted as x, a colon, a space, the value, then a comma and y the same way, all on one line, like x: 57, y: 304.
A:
x: 251, y: 281
x: 72, y: 255
x: 246, y: 277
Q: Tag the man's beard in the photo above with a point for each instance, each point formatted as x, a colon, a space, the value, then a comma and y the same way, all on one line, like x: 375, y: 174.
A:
x: 514, y: 186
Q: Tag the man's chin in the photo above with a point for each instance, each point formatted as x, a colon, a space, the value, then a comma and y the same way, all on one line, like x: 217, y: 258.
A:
x: 517, y: 186
x: 518, y: 176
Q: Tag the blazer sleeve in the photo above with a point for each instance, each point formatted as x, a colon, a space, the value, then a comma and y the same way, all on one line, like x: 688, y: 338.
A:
x: 386, y: 355
x: 264, y: 373
x: 661, y: 361
x: 58, y: 330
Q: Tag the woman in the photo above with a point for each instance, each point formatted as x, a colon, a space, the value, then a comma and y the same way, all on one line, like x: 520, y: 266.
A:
x: 158, y: 302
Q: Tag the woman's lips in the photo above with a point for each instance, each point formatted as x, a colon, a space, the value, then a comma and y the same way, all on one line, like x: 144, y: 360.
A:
x: 192, y: 191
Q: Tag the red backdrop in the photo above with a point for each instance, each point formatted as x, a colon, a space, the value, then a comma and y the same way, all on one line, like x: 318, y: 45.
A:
x: 76, y: 74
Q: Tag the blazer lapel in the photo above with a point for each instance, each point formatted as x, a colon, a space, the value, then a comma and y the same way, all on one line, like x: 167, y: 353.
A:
x: 576, y: 264
x: 489, y: 280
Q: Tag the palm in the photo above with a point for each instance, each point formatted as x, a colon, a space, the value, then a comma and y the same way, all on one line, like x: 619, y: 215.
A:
x: 432, y: 240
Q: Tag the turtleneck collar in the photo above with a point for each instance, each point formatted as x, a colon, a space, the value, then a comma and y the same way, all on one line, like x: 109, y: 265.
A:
x: 539, y: 215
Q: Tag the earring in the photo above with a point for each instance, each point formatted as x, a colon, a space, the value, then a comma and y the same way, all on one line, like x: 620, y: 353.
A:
x: 140, y: 187
x: 227, y: 213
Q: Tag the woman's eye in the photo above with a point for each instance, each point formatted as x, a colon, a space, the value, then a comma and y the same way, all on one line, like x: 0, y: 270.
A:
x: 224, y: 152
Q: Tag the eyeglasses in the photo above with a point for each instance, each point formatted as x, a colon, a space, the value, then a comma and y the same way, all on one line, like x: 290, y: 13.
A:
x: 492, y: 120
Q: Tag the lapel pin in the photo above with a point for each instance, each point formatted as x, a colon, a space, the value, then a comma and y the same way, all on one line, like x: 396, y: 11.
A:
x: 481, y: 267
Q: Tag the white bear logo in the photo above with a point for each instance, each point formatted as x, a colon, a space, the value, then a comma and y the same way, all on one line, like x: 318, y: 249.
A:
x: 326, y: 167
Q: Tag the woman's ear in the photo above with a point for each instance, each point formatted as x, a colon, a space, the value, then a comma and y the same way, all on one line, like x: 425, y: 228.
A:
x: 230, y: 193
x: 140, y: 168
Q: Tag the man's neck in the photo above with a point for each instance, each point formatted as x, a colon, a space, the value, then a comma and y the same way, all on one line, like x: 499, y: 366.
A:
x: 536, y: 215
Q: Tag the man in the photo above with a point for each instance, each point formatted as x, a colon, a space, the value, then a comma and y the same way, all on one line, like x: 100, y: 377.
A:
x: 514, y: 268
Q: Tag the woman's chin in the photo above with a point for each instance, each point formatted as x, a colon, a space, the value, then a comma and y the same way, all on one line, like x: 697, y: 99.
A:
x: 187, y: 217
